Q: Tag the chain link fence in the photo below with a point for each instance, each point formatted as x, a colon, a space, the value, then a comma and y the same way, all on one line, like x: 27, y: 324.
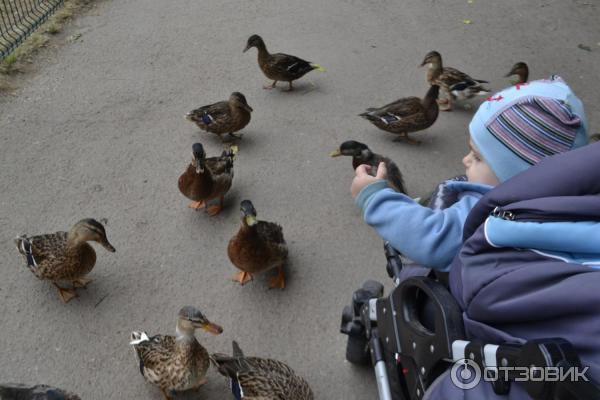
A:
x: 19, y: 18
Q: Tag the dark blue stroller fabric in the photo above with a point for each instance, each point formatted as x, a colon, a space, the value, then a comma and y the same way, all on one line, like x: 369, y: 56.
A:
x: 510, y: 294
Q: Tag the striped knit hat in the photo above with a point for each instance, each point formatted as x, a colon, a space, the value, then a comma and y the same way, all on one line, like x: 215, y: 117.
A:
x: 519, y: 126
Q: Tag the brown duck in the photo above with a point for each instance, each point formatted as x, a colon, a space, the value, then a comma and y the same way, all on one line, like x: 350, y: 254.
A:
x: 279, y: 66
x: 455, y: 84
x: 261, y: 378
x: 257, y: 247
x: 521, y: 71
x: 223, y: 117
x: 406, y: 115
x: 206, y: 179
x: 175, y: 363
x: 64, y: 256
x: 361, y: 154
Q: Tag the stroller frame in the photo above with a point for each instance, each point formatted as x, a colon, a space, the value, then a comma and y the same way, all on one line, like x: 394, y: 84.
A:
x: 416, y: 333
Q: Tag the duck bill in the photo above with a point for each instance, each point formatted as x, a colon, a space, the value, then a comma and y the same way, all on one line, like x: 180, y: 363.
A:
x: 335, y: 153
x: 212, y: 328
x: 199, y: 167
x: 106, y: 244
x: 247, y: 107
x: 424, y: 63
x: 250, y: 220
x: 246, y: 49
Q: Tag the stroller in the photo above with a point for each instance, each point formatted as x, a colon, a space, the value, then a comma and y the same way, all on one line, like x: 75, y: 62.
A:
x: 428, y: 338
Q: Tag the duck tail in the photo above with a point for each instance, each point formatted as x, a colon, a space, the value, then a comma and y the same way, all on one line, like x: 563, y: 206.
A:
x: 24, y: 247
x: 368, y: 116
x: 237, y: 350
x: 138, y: 337
x: 317, y: 67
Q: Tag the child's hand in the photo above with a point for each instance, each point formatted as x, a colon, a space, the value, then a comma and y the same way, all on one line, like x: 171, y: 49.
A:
x: 362, y: 177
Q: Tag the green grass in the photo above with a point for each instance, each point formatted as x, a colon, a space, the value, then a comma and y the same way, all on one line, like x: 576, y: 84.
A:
x: 16, y: 61
x: 53, y: 28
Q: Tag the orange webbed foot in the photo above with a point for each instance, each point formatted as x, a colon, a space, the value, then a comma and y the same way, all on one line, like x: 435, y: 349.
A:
x: 278, y: 282
x: 242, y: 277
x: 197, y: 205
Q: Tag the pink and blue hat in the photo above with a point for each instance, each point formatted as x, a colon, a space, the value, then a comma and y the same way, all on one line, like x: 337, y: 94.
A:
x: 517, y: 127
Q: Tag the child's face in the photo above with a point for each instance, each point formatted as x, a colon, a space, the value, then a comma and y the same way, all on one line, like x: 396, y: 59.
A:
x: 477, y: 170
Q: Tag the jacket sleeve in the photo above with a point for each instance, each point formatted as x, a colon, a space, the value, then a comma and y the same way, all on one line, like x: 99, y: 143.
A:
x: 428, y: 237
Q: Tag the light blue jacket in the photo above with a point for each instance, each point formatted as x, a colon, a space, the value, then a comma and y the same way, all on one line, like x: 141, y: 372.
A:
x: 428, y: 237
x: 576, y: 242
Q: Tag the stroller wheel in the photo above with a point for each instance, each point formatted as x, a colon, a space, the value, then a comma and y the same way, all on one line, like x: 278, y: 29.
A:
x: 357, y: 351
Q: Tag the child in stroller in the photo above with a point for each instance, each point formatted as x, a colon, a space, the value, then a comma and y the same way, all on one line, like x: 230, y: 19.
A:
x: 522, y: 294
x: 500, y: 293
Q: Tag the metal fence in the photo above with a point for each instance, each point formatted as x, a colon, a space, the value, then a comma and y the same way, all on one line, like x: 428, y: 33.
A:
x: 19, y: 18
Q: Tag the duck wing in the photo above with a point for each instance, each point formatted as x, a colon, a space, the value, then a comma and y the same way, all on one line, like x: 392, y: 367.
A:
x: 406, y: 111
x: 458, y: 82
x: 270, y: 232
x: 220, y: 165
x: 211, y: 114
x: 261, y: 378
x: 154, y: 353
x: 286, y: 64
x: 42, y: 248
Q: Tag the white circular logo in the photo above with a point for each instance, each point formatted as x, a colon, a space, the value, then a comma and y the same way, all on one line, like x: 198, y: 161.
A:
x: 465, y: 374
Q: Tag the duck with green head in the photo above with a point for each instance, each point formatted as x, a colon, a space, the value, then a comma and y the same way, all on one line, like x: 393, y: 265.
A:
x: 362, y: 154
x: 206, y: 179
x: 257, y: 247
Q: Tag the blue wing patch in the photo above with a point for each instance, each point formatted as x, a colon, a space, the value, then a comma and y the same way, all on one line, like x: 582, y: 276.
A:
x: 389, y: 118
x: 207, y: 119
x: 236, y: 389
x: 26, y: 247
x: 459, y: 87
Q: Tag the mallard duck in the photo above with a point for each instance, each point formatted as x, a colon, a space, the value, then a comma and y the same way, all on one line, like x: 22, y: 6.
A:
x: 261, y: 378
x: 361, y: 154
x: 175, y: 363
x: 521, y: 70
x: 64, y: 256
x: 257, y: 247
x: 37, y: 392
x: 406, y: 115
x: 454, y: 83
x: 206, y: 179
x: 223, y: 117
x: 280, y: 67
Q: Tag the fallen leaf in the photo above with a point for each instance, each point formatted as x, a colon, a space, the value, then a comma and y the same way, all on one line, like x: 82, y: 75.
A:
x: 584, y: 47
x: 467, y: 21
x: 75, y: 37
x: 470, y: 1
